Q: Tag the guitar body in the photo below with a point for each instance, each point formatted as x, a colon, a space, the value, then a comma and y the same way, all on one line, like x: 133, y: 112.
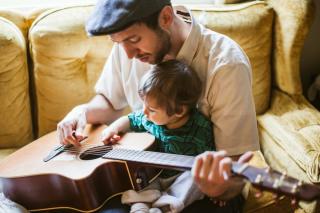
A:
x: 67, y: 181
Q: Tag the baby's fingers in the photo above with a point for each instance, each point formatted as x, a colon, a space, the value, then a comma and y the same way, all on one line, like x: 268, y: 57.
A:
x: 114, y: 139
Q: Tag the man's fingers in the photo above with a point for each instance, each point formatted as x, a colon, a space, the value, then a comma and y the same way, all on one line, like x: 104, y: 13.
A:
x: 225, y: 168
x: 74, y: 121
x: 245, y: 157
x: 60, y: 135
x: 196, y: 168
x: 80, y: 128
x: 207, y: 159
x: 78, y: 134
x: 215, y: 173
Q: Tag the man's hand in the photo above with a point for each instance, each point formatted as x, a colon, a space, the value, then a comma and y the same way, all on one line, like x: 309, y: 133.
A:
x: 212, y: 171
x: 70, y: 129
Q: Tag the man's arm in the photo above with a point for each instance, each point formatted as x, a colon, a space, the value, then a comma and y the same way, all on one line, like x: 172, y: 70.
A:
x: 97, y: 111
x: 100, y: 111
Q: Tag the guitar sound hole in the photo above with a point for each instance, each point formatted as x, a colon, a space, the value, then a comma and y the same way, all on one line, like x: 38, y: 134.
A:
x: 95, y: 152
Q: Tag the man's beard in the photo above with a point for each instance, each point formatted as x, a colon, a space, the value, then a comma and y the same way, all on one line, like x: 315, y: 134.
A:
x: 165, y: 45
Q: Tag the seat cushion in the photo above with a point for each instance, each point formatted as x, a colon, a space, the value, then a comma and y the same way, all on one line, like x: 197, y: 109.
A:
x: 15, y: 122
x: 294, y: 125
x: 250, y: 25
x: 278, y: 158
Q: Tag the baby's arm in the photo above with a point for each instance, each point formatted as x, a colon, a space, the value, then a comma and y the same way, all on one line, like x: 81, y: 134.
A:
x: 110, y: 134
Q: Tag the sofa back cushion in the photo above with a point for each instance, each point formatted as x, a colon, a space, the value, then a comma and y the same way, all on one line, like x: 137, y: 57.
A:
x: 15, y: 122
x: 250, y: 25
x: 17, y: 18
x: 67, y: 63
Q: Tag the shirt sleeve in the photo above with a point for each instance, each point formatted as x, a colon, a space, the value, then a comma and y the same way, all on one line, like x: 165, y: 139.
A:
x: 110, y: 83
x: 232, y: 109
x: 137, y: 120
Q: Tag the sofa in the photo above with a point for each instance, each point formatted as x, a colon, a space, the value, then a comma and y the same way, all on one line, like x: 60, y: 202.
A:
x: 48, y: 65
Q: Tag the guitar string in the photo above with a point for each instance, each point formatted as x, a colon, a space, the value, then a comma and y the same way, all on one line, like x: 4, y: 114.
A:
x: 103, y: 149
x: 90, y: 148
x: 141, y: 156
x: 97, y: 151
x: 85, y: 146
x: 90, y: 153
x: 93, y: 149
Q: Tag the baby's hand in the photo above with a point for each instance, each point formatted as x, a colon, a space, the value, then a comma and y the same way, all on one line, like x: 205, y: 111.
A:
x: 109, y: 136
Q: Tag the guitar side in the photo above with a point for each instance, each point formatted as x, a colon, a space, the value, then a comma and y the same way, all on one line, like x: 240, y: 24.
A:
x: 66, y: 181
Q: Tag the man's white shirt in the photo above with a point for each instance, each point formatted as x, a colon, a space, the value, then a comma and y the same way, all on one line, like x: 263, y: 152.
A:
x: 225, y: 72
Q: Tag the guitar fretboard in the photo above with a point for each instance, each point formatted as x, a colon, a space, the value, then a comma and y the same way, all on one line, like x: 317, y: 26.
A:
x: 164, y: 160
x: 273, y: 181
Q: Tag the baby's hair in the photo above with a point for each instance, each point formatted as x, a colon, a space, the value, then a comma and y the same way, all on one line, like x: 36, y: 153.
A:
x: 173, y: 84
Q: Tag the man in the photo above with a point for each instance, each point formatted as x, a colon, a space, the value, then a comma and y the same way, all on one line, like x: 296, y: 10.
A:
x: 147, y: 32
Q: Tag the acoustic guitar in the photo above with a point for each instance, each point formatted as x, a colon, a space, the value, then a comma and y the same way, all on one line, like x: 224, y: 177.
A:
x: 43, y: 177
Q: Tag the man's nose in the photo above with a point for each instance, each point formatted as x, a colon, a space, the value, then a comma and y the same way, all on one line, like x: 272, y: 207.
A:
x: 130, y: 50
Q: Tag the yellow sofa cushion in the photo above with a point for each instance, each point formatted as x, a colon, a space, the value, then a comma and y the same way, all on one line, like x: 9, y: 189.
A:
x: 250, y: 25
x: 15, y: 122
x: 66, y: 62
x: 294, y: 125
x: 17, y: 18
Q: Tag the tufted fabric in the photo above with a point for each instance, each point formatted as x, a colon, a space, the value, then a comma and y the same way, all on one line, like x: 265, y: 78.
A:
x: 17, y: 18
x: 22, y: 18
x: 15, y: 122
x: 250, y: 25
x: 66, y: 63
x: 297, y: 125
x: 291, y: 23
x: 279, y: 159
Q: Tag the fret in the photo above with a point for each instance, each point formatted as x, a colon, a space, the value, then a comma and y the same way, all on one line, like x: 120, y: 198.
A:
x: 262, y: 178
x: 156, y: 158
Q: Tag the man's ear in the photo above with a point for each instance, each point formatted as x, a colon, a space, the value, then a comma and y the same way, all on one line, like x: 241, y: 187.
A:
x: 182, y: 111
x: 166, y: 17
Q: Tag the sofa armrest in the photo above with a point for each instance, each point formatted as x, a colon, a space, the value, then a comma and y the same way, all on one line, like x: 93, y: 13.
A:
x: 15, y: 110
x: 293, y: 19
x: 293, y: 124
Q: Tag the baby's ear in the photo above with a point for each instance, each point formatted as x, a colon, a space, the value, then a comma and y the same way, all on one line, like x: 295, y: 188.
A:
x: 182, y: 111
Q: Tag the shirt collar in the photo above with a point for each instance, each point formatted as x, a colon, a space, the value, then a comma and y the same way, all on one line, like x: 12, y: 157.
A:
x: 191, y: 44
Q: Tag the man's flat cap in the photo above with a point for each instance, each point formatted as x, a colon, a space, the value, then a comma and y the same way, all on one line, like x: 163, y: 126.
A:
x: 110, y: 16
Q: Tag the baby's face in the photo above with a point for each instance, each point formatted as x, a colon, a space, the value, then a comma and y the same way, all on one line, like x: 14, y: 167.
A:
x: 155, y: 113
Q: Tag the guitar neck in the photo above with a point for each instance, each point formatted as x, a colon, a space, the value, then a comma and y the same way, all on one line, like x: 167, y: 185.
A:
x: 157, y: 159
x: 265, y: 179
x: 163, y: 160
